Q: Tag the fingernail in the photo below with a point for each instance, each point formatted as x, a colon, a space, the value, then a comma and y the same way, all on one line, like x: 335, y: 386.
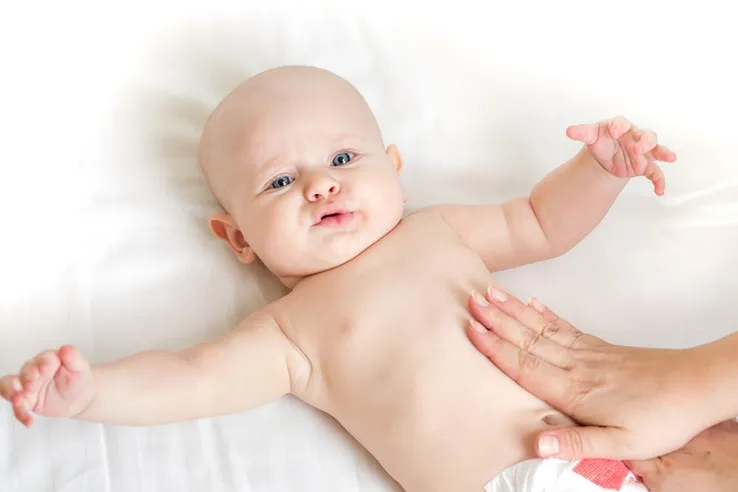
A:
x: 537, y: 305
x: 477, y: 326
x: 479, y: 299
x: 548, y: 446
x: 497, y: 294
x: 16, y: 385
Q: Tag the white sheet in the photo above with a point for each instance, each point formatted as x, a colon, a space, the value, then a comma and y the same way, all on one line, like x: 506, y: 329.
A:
x: 104, y: 238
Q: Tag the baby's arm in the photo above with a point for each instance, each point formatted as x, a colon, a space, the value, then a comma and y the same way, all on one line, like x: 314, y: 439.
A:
x: 560, y: 211
x: 567, y: 204
x: 251, y: 365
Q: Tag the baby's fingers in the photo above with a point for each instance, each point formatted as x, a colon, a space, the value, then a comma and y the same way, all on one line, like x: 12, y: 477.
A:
x: 29, y: 373
x: 647, y: 142
x: 656, y: 175
x: 30, y: 377
x: 72, y: 359
x: 662, y: 153
x: 11, y: 389
x: 587, y: 133
x: 9, y: 386
x: 47, y: 363
x: 20, y: 410
x: 618, y: 127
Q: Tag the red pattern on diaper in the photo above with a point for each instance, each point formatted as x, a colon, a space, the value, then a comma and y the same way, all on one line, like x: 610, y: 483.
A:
x: 608, y: 474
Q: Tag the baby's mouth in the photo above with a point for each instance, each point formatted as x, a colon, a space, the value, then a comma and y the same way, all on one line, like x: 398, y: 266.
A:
x: 336, y: 219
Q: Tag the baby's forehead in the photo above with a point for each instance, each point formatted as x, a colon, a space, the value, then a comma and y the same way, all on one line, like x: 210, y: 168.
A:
x: 307, y: 127
x: 288, y: 110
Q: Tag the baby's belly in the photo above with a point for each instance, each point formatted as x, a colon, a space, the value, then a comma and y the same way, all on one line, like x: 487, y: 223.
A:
x: 439, y: 416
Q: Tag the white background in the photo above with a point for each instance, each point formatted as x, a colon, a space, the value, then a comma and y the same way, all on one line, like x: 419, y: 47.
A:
x: 102, y: 208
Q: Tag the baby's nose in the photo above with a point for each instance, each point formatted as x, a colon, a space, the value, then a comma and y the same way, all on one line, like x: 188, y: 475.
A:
x: 321, y: 186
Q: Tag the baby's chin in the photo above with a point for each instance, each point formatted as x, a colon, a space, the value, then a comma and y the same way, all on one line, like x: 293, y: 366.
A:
x: 332, y: 252
x: 329, y: 259
x: 339, y: 257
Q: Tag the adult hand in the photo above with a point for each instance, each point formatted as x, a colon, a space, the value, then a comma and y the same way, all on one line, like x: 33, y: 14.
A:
x: 706, y: 463
x: 634, y: 403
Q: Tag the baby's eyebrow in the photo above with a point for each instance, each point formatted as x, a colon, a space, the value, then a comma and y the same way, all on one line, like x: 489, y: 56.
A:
x: 265, y: 170
x: 343, y: 137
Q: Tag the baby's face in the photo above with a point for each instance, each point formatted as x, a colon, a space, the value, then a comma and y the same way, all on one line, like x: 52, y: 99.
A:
x: 313, y: 185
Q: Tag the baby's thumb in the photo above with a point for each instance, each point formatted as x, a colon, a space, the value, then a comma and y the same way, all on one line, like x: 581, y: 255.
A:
x: 72, y: 359
x: 581, y: 442
x: 586, y: 133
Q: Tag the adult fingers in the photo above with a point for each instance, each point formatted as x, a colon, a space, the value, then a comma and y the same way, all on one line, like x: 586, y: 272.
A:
x: 549, y: 383
x: 556, y: 330
x: 577, y: 338
x: 530, y: 340
x: 583, y: 442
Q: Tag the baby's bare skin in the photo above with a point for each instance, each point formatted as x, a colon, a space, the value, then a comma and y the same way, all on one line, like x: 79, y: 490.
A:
x: 392, y: 363
x: 373, y: 330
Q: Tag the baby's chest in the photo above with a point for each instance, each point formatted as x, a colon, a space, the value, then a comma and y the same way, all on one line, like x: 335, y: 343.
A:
x: 386, y: 346
x: 407, y: 291
x: 405, y: 299
x: 372, y: 321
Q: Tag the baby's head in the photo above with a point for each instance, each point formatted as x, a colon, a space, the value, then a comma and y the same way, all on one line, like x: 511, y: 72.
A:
x: 295, y: 157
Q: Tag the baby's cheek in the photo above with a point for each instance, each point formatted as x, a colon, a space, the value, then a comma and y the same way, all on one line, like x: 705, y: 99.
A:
x: 274, y: 232
x: 399, y: 201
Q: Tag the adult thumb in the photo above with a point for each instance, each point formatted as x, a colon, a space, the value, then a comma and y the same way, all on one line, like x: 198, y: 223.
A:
x: 582, y: 442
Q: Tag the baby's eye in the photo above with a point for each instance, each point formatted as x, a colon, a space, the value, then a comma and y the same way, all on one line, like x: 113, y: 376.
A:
x: 281, y: 181
x: 341, y: 159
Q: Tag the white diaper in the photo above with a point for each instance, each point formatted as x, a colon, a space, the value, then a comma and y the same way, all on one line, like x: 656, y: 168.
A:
x: 552, y: 475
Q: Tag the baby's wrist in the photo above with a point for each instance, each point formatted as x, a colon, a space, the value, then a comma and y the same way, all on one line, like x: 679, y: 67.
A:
x: 85, y: 413
x: 587, y: 159
x: 86, y: 410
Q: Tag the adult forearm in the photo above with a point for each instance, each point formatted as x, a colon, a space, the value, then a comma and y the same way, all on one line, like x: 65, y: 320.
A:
x: 718, y: 361
x: 572, y: 199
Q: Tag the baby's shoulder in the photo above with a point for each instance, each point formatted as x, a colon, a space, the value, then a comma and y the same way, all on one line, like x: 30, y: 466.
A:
x: 429, y: 212
x: 430, y: 219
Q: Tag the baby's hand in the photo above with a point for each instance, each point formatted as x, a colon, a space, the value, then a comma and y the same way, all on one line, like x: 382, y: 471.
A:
x: 624, y: 150
x: 56, y: 383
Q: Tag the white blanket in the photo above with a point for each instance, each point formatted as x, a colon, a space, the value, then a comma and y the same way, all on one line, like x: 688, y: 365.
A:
x: 103, y: 209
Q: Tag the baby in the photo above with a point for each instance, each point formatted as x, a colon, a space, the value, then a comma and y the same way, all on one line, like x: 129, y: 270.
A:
x: 372, y: 331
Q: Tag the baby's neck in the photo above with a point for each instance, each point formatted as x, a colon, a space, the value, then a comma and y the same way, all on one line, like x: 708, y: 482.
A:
x: 292, y: 281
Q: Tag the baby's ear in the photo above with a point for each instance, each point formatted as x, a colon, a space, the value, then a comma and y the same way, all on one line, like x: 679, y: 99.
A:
x: 224, y: 227
x: 394, y: 154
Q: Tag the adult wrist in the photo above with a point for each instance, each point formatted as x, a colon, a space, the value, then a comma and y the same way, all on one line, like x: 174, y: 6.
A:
x: 717, y: 363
